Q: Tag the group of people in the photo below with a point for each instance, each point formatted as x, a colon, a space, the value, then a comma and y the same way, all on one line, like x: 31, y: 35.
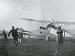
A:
x: 15, y: 34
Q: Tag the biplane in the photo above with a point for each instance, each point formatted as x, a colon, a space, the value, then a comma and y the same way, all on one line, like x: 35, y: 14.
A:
x: 50, y: 29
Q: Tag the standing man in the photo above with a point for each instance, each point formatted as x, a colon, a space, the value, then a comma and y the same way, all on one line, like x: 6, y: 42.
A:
x: 14, y: 33
x: 4, y: 35
x: 20, y: 37
x: 60, y: 36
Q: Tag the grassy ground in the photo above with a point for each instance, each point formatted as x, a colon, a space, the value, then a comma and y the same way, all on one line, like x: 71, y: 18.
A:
x: 36, y: 47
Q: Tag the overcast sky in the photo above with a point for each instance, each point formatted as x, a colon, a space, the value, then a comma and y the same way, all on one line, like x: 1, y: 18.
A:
x: 12, y: 10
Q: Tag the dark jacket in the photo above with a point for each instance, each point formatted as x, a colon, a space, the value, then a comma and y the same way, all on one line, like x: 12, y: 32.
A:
x: 60, y: 34
x: 13, y: 32
x: 4, y: 34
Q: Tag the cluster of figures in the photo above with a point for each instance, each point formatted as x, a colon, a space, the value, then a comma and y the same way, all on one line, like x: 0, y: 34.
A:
x: 17, y: 36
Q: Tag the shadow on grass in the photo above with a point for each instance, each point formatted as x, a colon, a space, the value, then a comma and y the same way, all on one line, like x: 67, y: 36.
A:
x: 3, y: 49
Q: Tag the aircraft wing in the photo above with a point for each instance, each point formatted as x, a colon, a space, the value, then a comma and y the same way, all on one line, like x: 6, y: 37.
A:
x: 44, y: 21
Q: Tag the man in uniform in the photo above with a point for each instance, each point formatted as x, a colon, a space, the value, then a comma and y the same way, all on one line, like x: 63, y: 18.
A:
x: 60, y: 36
x: 14, y: 33
x: 4, y: 35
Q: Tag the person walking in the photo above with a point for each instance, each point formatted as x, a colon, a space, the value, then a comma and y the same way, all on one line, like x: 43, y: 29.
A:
x: 14, y: 33
x: 4, y: 35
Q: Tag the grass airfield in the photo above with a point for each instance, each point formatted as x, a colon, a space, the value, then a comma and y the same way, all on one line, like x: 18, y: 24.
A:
x: 37, y: 47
